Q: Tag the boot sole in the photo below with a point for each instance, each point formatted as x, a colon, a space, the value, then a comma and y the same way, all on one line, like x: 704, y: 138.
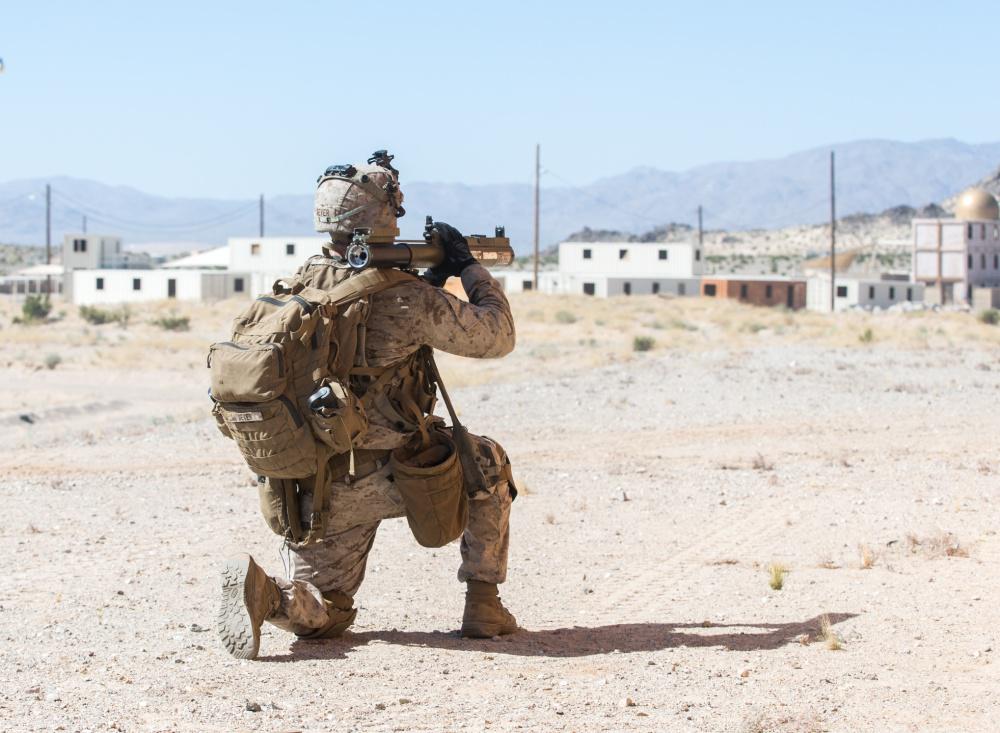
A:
x: 235, y: 626
x: 486, y: 631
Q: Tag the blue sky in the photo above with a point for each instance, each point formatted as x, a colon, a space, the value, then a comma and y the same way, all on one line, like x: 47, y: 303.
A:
x: 228, y: 99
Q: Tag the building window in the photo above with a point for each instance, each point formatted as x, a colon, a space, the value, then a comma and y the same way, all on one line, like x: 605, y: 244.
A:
x: 970, y: 262
x: 768, y: 291
x: 982, y: 261
x: 697, y: 255
x: 710, y: 290
x: 871, y: 292
x: 970, y: 231
x: 743, y: 290
x: 137, y: 283
x: 627, y: 288
x: 996, y: 231
x: 892, y: 293
x: 841, y: 291
x: 982, y: 231
x: 622, y: 254
x: 254, y: 249
x: 99, y: 284
x: 656, y: 288
x: 909, y: 293
x: 527, y: 285
x: 237, y: 284
x: 664, y: 254
x: 588, y: 288
x: 586, y: 254
x: 290, y: 248
x: 79, y: 245
x: 681, y: 288
x: 996, y: 261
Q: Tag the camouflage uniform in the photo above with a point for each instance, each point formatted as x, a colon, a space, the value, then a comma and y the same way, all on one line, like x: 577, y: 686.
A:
x: 401, y: 320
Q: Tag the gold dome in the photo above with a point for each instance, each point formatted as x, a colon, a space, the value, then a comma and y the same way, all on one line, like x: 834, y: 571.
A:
x: 975, y: 203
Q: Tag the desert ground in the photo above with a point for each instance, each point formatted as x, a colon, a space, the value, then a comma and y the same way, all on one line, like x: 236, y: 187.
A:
x: 852, y: 460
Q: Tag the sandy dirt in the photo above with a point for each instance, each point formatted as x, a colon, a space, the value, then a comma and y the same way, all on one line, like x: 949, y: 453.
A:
x: 659, y: 489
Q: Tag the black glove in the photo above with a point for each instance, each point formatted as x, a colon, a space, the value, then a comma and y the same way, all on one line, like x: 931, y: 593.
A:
x: 456, y: 255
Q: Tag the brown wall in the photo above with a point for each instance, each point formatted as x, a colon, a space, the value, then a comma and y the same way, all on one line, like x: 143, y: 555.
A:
x: 757, y: 291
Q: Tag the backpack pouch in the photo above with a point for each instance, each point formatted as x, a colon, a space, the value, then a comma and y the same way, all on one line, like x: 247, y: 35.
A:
x: 246, y: 372
x: 272, y: 436
x: 340, y: 426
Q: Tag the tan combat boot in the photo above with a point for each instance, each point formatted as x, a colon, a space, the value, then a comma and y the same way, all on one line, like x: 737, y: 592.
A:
x: 339, y: 608
x: 485, y: 616
x: 248, y: 597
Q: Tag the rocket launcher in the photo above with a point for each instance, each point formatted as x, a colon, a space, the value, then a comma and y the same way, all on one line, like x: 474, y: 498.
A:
x: 368, y: 249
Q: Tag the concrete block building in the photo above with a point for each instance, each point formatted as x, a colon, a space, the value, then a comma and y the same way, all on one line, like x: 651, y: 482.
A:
x: 958, y: 260
x: 871, y: 291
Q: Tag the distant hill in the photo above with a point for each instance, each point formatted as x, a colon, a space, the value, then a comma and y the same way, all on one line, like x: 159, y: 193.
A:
x: 872, y: 175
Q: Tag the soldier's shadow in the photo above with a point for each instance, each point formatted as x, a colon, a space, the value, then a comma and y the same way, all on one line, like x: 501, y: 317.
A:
x: 579, y: 641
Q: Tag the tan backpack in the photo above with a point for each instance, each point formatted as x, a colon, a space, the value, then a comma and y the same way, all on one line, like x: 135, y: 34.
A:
x: 284, y: 349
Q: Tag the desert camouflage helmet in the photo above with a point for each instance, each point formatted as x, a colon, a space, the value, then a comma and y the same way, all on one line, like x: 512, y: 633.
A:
x: 350, y: 197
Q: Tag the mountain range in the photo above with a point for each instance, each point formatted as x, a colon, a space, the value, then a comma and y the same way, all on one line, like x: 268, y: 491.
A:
x: 872, y: 175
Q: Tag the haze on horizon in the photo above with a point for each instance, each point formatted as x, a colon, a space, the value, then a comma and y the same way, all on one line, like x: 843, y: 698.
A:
x: 229, y: 99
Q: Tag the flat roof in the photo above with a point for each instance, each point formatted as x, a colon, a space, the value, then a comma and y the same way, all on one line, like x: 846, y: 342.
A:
x: 755, y: 278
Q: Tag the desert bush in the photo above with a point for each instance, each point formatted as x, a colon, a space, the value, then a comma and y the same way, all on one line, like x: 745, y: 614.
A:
x: 866, y: 336
x: 173, y: 322
x: 96, y: 316
x: 867, y: 557
x: 990, y: 316
x: 52, y: 361
x: 565, y: 317
x: 776, y: 575
x: 35, y: 308
x: 830, y: 638
x: 643, y: 343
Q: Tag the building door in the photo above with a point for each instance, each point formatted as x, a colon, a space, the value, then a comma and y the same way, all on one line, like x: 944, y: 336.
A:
x: 790, y: 297
x: 172, y: 288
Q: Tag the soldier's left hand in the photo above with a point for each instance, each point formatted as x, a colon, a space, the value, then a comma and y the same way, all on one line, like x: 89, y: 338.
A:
x: 456, y: 255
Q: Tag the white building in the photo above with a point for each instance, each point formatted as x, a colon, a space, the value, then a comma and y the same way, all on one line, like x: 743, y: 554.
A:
x: 616, y: 268
x: 267, y: 259
x: 100, y: 272
x: 33, y: 280
x: 853, y: 291
x: 959, y: 259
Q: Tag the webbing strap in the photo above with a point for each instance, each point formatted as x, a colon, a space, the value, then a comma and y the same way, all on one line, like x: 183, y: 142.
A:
x: 367, y: 282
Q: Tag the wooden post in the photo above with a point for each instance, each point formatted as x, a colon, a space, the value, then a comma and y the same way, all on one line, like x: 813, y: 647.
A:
x: 538, y: 171
x: 833, y: 238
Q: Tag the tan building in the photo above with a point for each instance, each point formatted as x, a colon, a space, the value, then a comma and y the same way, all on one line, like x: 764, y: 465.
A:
x: 959, y: 259
x: 768, y: 291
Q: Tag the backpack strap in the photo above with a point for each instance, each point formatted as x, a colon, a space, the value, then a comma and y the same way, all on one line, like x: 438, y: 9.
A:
x: 368, y: 282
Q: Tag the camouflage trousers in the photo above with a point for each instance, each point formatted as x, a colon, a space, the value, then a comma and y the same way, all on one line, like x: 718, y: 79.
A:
x: 336, y: 564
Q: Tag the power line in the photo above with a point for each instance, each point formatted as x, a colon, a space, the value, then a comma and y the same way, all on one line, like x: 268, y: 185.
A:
x: 115, y: 220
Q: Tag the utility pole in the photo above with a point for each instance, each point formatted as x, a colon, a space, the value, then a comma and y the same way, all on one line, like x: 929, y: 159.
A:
x: 48, y: 237
x: 538, y: 172
x: 84, y: 223
x: 262, y: 216
x: 701, y: 231
x: 833, y: 237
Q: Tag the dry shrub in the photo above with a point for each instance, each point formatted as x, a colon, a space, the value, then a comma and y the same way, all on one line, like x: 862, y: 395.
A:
x: 829, y: 636
x: 867, y: 557
x: 943, y: 544
x: 776, y: 575
x: 762, y: 464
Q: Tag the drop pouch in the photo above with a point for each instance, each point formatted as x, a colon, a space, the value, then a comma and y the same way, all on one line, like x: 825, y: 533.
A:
x: 428, y: 475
